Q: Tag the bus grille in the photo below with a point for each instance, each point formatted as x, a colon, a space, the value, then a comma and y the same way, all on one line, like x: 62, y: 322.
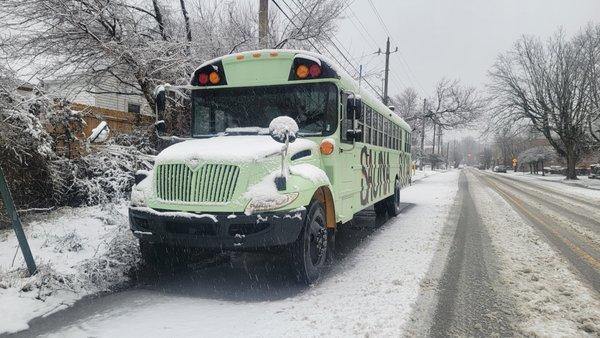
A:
x: 211, y: 183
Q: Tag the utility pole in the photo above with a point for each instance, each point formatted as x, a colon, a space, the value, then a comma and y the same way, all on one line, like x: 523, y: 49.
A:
x: 359, y: 75
x: 387, y: 69
x: 423, y: 135
x: 263, y: 23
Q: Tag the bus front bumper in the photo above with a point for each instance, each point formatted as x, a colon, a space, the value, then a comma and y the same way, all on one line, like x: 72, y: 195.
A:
x: 222, y: 231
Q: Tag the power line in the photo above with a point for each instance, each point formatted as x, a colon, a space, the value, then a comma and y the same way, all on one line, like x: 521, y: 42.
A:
x: 410, y: 75
x: 323, y: 45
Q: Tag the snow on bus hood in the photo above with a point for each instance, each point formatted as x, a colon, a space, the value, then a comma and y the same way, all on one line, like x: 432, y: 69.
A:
x: 242, y: 148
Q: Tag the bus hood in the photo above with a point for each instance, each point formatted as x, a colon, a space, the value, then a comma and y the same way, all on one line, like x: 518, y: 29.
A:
x: 243, y: 148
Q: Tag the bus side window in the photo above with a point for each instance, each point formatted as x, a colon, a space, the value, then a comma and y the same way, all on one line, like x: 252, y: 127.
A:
x: 361, y: 123
x: 386, y: 128
x: 380, y: 141
x: 385, y: 132
x: 402, y: 144
x: 367, y: 131
x: 388, y: 131
x: 375, y: 128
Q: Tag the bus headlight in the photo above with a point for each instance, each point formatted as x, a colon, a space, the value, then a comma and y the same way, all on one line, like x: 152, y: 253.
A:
x: 266, y: 203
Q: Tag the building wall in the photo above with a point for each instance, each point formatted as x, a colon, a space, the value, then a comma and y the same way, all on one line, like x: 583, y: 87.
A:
x: 79, y: 94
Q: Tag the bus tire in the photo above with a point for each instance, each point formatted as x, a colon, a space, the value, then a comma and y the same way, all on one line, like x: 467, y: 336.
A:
x: 393, y: 202
x: 380, y: 208
x: 309, y: 252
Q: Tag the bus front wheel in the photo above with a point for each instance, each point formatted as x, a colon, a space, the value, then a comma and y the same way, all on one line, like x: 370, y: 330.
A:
x: 309, y: 252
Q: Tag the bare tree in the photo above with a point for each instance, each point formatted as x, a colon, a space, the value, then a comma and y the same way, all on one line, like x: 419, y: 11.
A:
x: 142, y: 44
x: 590, y: 40
x: 455, y: 106
x: 452, y: 106
x: 548, y: 86
x: 408, y: 105
x: 307, y: 22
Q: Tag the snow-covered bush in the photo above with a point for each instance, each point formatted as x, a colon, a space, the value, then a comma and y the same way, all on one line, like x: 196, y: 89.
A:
x: 106, y: 174
x: 536, y: 155
x: 25, y: 147
x: 45, y: 158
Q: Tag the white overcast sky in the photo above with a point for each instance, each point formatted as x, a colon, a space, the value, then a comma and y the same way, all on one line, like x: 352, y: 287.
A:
x: 453, y: 38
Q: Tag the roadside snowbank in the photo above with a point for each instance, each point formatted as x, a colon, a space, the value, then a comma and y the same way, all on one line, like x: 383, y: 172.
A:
x: 79, y: 252
x: 584, y: 186
x: 421, y: 174
x: 550, y: 299
x: 371, y: 292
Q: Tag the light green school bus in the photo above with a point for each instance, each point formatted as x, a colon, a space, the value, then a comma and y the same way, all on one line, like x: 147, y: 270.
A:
x: 232, y: 185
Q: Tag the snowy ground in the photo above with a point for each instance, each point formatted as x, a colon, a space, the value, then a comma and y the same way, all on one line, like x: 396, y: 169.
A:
x: 371, y: 290
x: 78, y: 251
x: 421, y: 174
x: 584, y: 184
x: 549, y: 299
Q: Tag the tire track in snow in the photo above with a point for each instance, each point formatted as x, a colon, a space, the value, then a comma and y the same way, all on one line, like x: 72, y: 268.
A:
x: 467, y: 303
x: 582, y: 254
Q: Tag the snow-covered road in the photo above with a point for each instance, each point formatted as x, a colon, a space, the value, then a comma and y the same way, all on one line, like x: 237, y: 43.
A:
x: 472, y: 254
x: 370, y: 290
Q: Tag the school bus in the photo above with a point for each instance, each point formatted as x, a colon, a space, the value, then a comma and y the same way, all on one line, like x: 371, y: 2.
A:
x: 230, y: 185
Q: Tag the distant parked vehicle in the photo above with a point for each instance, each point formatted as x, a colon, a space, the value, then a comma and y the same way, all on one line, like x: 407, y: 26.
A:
x: 557, y: 170
x: 594, y: 171
x: 500, y: 169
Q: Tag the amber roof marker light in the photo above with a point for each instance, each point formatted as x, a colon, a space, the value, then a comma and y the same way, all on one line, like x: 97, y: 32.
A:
x: 302, y: 71
x: 214, y: 78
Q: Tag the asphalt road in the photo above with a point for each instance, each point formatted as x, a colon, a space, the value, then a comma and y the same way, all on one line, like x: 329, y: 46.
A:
x: 470, y: 299
x: 570, y: 223
x: 468, y: 304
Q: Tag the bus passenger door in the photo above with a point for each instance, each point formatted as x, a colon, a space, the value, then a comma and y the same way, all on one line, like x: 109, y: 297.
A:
x: 348, y: 167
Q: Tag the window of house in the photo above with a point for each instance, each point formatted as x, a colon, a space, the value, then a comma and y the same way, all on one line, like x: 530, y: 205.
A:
x: 133, y: 108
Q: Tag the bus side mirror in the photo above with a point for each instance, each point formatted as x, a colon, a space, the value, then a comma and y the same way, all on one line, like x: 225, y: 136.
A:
x: 354, y: 107
x: 354, y: 135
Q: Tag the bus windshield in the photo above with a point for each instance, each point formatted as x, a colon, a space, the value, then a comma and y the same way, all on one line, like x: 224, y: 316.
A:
x: 227, y: 111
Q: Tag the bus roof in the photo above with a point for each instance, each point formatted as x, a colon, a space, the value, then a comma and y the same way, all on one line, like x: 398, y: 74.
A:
x: 348, y: 82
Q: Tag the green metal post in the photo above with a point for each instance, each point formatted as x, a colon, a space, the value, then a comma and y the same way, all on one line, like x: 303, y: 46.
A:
x: 16, y: 223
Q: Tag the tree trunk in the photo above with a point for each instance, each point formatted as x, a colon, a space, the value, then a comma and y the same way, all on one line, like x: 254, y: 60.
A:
x: 159, y: 19
x: 433, y: 143
x: 572, y: 159
x: 543, y: 173
x: 186, y: 19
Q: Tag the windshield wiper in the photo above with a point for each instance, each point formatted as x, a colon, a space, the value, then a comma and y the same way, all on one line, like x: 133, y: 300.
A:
x: 246, y: 131
x: 312, y: 133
